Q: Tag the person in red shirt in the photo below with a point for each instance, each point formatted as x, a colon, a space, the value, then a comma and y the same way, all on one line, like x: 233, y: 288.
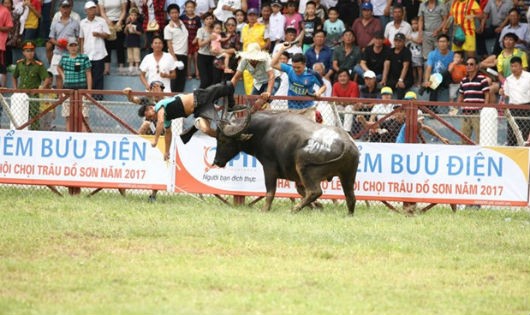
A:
x: 345, y: 87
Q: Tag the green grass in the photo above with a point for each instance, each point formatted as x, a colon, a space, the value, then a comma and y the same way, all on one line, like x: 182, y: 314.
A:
x: 112, y: 255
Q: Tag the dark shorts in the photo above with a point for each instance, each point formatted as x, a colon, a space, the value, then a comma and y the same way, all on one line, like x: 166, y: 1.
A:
x: 206, y: 98
x: 174, y: 108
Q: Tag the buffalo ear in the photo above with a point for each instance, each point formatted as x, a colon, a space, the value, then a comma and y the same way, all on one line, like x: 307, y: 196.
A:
x: 245, y: 136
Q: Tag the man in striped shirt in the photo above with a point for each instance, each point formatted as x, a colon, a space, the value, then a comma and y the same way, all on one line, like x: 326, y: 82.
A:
x: 474, y: 89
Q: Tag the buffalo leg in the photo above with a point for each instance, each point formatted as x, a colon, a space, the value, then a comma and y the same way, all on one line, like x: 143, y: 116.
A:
x: 311, y: 187
x: 347, y: 183
x: 270, y: 186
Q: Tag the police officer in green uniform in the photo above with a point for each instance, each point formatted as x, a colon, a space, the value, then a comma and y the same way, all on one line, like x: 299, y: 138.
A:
x: 30, y: 73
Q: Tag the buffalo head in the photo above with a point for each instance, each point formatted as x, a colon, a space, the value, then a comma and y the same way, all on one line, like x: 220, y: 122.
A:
x: 230, y: 136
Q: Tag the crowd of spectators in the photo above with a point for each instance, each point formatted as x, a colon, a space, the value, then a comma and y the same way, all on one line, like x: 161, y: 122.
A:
x: 435, y: 47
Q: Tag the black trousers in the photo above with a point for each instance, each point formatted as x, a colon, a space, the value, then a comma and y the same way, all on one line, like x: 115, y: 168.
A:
x: 179, y: 83
x: 205, y: 65
x: 118, y: 45
x: 98, y: 79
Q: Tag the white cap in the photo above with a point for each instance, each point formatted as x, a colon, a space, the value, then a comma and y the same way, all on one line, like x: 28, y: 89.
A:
x: 369, y: 74
x: 90, y: 4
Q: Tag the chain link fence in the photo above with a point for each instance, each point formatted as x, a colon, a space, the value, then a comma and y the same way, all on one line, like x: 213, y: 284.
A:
x: 366, y: 119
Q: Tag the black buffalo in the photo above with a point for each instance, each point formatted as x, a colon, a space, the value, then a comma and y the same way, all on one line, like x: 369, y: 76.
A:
x: 291, y: 147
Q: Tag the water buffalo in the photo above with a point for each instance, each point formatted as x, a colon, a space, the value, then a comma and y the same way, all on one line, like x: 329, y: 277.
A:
x: 291, y: 147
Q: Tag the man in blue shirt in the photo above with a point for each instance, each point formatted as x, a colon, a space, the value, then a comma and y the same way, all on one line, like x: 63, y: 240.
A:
x: 438, y: 62
x: 301, y: 82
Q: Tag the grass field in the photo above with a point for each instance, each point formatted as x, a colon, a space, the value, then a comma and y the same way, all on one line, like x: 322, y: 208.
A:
x: 112, y: 255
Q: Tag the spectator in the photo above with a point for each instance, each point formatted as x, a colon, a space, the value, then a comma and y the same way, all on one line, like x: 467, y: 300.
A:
x: 253, y: 32
x: 319, y: 52
x: 348, y: 11
x: 334, y: 28
x: 133, y: 33
x: 369, y: 89
x: 397, y: 71
x: 74, y: 70
x: 157, y: 66
x: 509, y: 51
x: 204, y: 56
x: 518, y: 28
x: 517, y: 90
x: 398, y: 25
x: 438, y: 62
x: 292, y: 46
x: 241, y: 19
x: 227, y: 8
x: 204, y: 7
x: 301, y: 83
x: 432, y: 18
x: 345, y: 87
x: 320, y: 68
x: 232, y: 45
x: 6, y: 24
x: 347, y: 55
x: 31, y: 25
x: 414, y: 45
x: 373, y: 57
x: 180, y: 3
x: 192, y: 23
x: 421, y: 126
x: 265, y: 20
x: 366, y: 27
x: 380, y: 110
x: 310, y: 25
x: 114, y: 12
x: 46, y: 19
x: 258, y: 64
x: 463, y: 13
x: 154, y: 19
x: 14, y: 37
x: 222, y: 57
x: 276, y: 25
x: 457, y: 69
x: 92, y: 34
x: 61, y: 30
x: 387, y: 130
x: 293, y: 19
x: 176, y: 35
x: 473, y: 89
x: 30, y: 73
x: 495, y: 13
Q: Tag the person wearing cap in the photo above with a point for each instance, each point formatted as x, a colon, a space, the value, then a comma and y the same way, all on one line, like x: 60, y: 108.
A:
x: 397, y: 25
x: 381, y: 109
x: 93, y: 32
x: 301, y: 83
x: 374, y: 56
x: 510, y: 50
x: 369, y: 89
x: 387, y: 130
x: 411, y: 96
x: 474, y: 89
x: 367, y: 26
x: 75, y: 72
x: 258, y: 63
x: 252, y: 32
x: 276, y: 24
x: 397, y: 72
x: 66, y: 27
x: 30, y: 73
x: 227, y: 8
x: 200, y: 103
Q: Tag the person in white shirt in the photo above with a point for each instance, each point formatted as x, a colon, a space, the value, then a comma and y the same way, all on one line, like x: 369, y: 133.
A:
x: 92, y: 34
x: 157, y: 66
x: 276, y: 24
x: 176, y: 35
x: 398, y: 25
x: 517, y: 89
x: 226, y: 9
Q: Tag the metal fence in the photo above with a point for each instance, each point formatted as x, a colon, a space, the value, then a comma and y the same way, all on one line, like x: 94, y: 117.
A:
x: 366, y: 119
